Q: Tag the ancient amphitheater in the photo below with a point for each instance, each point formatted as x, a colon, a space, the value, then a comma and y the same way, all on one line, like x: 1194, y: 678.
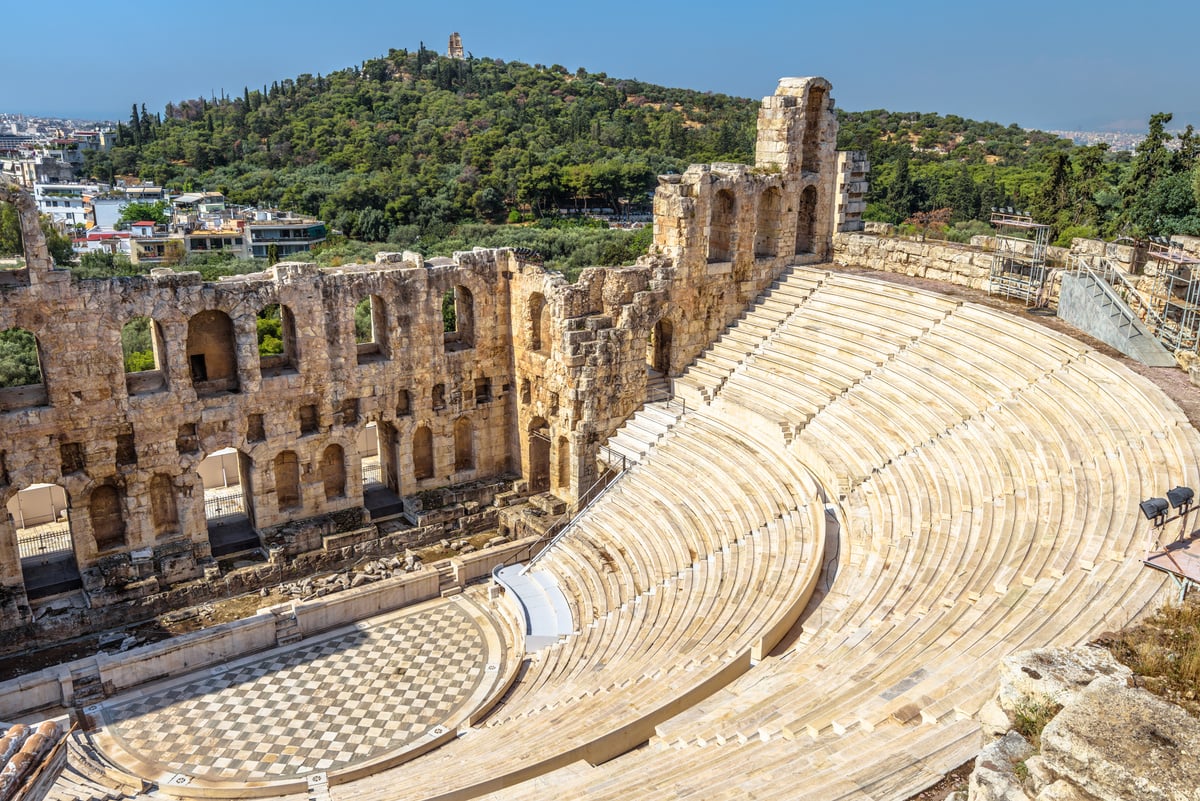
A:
x: 857, y: 499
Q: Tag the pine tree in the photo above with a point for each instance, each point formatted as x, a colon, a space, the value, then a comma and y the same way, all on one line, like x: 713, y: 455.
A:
x: 135, y: 126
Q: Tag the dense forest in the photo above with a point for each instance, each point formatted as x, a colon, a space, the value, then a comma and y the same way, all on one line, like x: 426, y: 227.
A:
x: 922, y: 162
x: 415, y: 139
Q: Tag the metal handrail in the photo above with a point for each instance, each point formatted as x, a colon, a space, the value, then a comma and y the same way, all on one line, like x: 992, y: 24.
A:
x: 554, y: 533
x: 1126, y: 291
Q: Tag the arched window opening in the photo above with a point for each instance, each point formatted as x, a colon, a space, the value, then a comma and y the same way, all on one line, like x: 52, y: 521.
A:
x: 458, y: 319
x: 228, y: 501
x: 142, y: 349
x: 539, y: 323
x: 164, y: 510
x: 277, y: 351
x: 422, y: 453
x: 766, y: 232
x: 107, y: 517
x: 41, y: 517
x: 721, y: 224
x: 658, y: 353
x: 464, y: 445
x: 212, y: 353
x: 810, y: 155
x: 806, y: 221
x: 21, y: 381
x: 370, y: 329
x: 333, y: 472
x: 539, y: 455
x: 287, y: 481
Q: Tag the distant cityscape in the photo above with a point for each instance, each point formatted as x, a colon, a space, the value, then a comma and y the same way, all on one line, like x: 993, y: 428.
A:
x: 1116, y: 140
x: 46, y: 156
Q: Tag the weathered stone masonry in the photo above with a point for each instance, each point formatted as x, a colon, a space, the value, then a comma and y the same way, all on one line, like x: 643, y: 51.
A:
x: 536, y: 375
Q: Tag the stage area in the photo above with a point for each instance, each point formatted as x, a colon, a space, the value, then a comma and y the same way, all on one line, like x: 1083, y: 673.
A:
x: 359, y: 697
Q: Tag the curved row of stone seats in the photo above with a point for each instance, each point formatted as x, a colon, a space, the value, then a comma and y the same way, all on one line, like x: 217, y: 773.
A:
x: 957, y: 462
x: 682, y: 624
x: 611, y: 554
x: 999, y: 514
x: 88, y: 776
x: 890, y: 762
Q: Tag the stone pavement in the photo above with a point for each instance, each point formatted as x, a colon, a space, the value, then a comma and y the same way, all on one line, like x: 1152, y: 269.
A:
x: 331, y: 703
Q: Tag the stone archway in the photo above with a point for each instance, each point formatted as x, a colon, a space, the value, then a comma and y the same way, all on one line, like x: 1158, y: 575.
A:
x: 658, y: 355
x: 40, y: 515
x: 225, y: 476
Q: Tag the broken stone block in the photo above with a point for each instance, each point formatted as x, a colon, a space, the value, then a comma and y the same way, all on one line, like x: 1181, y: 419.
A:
x: 995, y: 775
x: 1124, y: 744
x: 1053, y: 674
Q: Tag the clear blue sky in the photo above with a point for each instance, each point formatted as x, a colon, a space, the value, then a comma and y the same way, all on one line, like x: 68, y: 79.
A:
x: 1048, y: 64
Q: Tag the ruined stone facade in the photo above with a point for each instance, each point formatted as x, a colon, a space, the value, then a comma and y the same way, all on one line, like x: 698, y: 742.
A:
x: 850, y: 192
x: 534, y: 375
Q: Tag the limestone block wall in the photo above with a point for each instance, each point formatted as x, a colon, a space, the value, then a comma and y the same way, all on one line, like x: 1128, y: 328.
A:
x: 965, y: 265
x: 850, y: 191
x: 136, y: 445
x: 530, y: 379
x: 580, y: 360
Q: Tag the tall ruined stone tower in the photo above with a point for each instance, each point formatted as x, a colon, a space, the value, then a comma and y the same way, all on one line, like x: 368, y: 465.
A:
x: 732, y: 228
x: 455, y: 48
x: 797, y: 127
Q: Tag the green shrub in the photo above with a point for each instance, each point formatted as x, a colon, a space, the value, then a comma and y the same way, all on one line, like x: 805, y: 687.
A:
x: 1073, y: 232
x: 1031, y: 718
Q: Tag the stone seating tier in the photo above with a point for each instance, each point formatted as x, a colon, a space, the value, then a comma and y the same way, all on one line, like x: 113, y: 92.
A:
x: 996, y: 467
x: 982, y: 475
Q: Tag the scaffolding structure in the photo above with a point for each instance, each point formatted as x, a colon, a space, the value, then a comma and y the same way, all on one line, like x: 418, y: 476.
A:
x: 1174, y: 294
x: 1019, y: 264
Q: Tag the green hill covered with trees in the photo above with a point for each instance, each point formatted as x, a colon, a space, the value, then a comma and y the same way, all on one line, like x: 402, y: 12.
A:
x: 415, y: 139
x: 409, y: 147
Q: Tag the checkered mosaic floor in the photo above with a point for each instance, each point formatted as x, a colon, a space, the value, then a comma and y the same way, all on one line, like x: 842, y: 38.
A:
x: 317, y: 707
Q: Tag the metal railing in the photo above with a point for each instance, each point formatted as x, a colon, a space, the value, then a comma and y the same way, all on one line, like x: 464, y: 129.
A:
x: 563, y: 522
x: 44, y: 540
x: 568, y: 518
x: 224, y: 503
x: 669, y: 400
x: 1121, y: 288
x: 372, y: 472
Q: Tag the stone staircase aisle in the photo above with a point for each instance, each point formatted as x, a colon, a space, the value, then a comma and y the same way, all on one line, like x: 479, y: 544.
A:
x: 747, y: 336
x: 88, y: 776
x: 644, y: 429
x: 287, y: 627
x: 668, y: 399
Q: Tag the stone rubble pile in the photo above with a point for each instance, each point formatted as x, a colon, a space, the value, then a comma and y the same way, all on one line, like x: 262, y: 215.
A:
x: 375, y: 570
x: 1109, y: 741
